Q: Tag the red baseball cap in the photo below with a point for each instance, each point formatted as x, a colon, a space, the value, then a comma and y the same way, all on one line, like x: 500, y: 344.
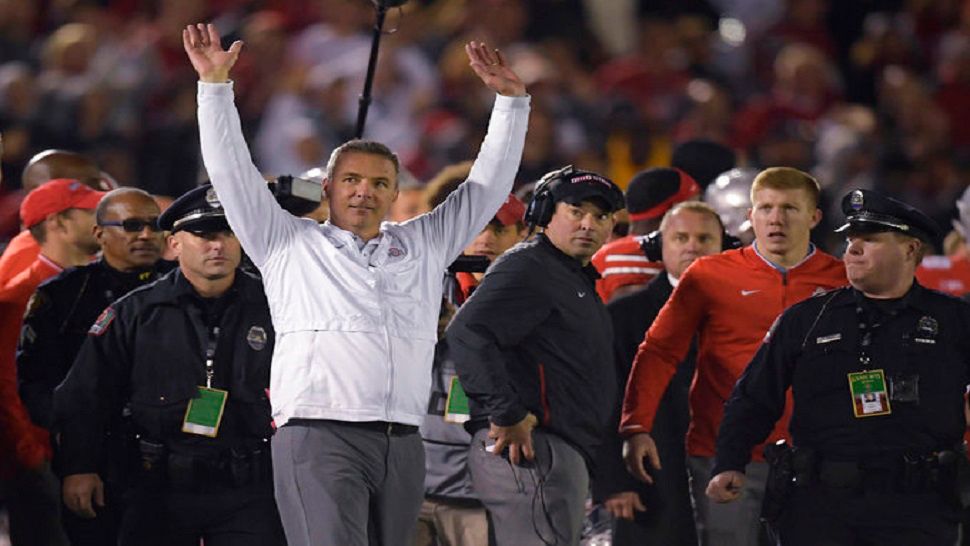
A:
x: 56, y: 196
x: 511, y: 211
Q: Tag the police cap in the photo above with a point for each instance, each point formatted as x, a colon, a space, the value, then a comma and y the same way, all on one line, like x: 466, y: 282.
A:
x: 868, y: 211
x: 197, y: 210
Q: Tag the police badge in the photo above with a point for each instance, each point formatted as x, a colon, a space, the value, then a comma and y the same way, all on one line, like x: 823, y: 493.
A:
x: 256, y: 338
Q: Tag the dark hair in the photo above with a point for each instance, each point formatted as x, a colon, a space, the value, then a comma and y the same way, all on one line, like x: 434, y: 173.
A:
x: 364, y: 147
x: 39, y: 232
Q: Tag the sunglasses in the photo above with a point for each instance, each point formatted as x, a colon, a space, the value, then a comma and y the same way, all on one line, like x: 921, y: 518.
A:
x: 134, y: 225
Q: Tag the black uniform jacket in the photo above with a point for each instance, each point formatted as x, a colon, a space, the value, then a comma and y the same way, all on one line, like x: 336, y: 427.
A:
x: 535, y: 337
x: 922, y: 338
x: 144, y: 358
x: 57, y: 321
x: 632, y: 315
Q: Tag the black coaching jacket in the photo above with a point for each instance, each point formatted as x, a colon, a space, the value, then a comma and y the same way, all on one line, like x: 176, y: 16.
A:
x: 535, y: 337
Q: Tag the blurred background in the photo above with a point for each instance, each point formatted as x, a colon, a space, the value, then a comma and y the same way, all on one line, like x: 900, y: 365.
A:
x: 872, y: 94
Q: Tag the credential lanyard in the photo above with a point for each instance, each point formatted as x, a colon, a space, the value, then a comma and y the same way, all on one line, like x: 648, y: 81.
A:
x: 866, y: 328
x: 210, y: 355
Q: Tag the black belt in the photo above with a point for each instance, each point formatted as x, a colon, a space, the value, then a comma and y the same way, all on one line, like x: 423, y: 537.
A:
x: 239, y: 466
x: 386, y: 427
x: 908, y: 474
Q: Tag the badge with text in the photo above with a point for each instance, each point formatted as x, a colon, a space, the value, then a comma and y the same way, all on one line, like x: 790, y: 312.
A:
x: 456, y: 407
x: 204, y: 413
x: 869, y: 394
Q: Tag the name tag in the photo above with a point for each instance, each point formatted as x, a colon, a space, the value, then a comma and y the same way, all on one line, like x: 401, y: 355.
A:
x: 827, y: 339
x: 927, y: 341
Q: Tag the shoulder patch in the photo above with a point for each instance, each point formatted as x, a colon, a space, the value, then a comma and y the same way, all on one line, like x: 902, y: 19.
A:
x: 100, y: 326
x: 38, y: 301
x: 27, y: 335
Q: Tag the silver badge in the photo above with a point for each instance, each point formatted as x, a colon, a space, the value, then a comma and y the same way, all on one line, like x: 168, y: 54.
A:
x: 212, y: 198
x: 856, y: 200
x: 256, y: 338
x: 928, y: 326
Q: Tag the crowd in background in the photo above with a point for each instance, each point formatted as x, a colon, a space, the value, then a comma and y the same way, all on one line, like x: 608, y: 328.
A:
x: 865, y: 94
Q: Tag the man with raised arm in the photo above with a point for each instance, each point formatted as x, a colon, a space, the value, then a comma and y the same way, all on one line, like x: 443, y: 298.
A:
x: 354, y: 303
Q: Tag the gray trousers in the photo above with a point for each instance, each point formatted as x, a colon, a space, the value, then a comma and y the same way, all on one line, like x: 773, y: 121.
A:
x: 540, y: 503
x: 734, y: 523
x: 339, y: 484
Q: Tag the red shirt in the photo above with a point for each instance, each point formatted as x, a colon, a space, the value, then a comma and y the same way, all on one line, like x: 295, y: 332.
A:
x: 946, y: 274
x: 729, y: 301
x: 18, y: 256
x: 22, y: 443
x: 622, y: 263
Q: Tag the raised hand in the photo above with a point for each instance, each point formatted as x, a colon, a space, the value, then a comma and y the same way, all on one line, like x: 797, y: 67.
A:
x: 491, y: 67
x: 201, y: 43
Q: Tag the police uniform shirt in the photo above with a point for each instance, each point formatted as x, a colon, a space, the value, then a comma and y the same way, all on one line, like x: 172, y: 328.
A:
x: 57, y: 321
x: 145, y: 355
x: 920, y: 342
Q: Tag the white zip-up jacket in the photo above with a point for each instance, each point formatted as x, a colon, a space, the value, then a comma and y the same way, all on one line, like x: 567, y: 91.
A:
x: 355, y: 335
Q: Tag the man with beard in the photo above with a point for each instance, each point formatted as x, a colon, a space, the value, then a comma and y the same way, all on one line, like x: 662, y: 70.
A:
x: 59, y: 216
x: 533, y: 351
x: 45, y: 166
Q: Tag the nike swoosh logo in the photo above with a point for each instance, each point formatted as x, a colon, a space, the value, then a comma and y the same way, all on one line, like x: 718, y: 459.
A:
x: 749, y: 292
x: 581, y: 294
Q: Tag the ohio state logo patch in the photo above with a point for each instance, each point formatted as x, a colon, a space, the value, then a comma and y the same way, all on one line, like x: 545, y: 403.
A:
x: 101, y: 325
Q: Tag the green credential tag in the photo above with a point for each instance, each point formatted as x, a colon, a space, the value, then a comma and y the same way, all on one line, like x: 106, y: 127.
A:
x: 204, y: 413
x: 869, y: 394
x: 456, y: 407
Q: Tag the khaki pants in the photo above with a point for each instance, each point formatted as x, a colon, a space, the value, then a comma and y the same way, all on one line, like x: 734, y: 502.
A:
x: 444, y: 524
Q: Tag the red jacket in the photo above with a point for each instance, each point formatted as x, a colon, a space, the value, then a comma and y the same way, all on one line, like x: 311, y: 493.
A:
x: 945, y: 273
x: 22, y: 443
x: 622, y: 263
x: 20, y: 253
x: 729, y: 301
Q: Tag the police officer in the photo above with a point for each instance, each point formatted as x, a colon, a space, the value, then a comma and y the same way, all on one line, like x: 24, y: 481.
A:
x: 878, y: 371
x: 533, y: 351
x: 63, y: 308
x: 170, y: 386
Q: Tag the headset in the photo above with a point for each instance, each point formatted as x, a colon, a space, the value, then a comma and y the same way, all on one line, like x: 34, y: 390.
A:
x: 548, y: 189
x: 652, y: 244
